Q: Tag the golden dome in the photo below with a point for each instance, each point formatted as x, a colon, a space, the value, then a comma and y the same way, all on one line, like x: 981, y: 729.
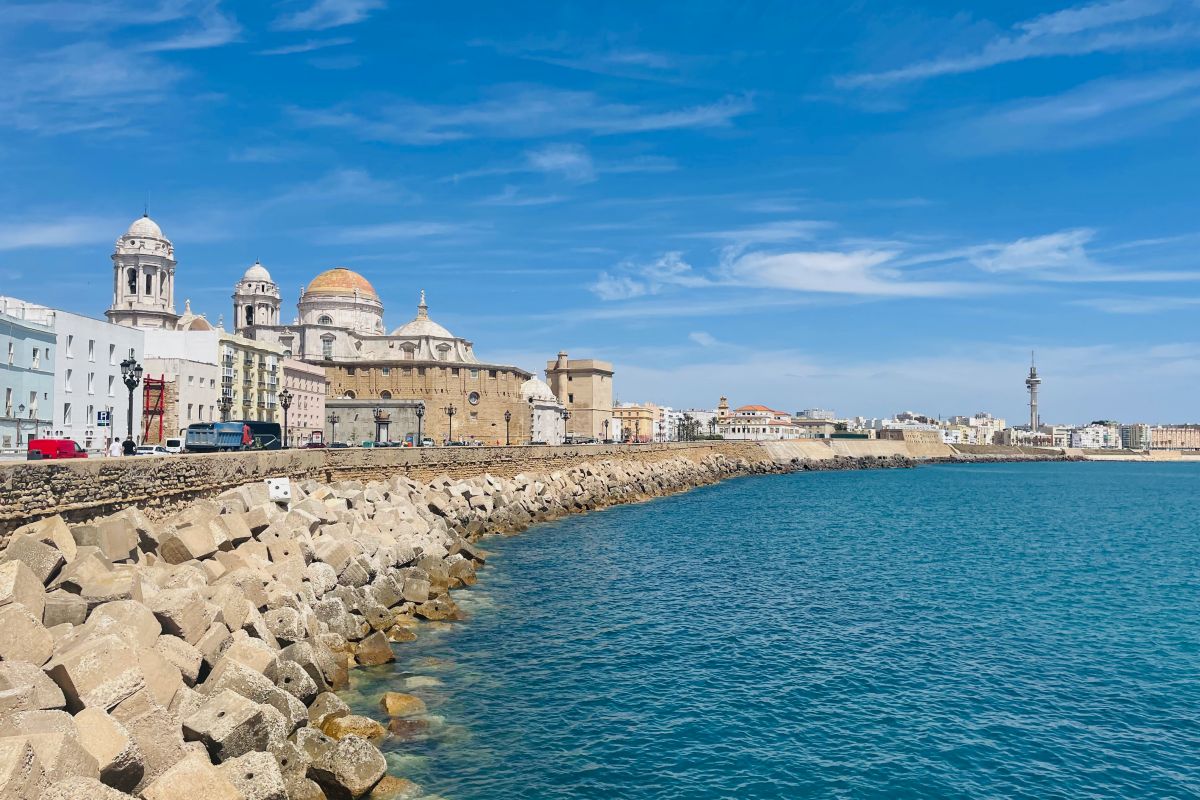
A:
x: 340, y: 281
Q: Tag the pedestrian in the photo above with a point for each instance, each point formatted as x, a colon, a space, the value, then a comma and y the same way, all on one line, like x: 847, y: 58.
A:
x: 114, y: 448
x: 247, y: 437
x: 128, y: 447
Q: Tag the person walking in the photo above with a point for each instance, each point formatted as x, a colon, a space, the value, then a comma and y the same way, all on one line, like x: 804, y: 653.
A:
x: 128, y: 447
x: 114, y: 448
x: 247, y: 437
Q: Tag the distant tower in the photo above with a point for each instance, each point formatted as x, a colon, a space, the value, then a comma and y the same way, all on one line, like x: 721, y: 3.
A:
x: 1032, y: 383
x: 143, y: 278
x: 255, y: 300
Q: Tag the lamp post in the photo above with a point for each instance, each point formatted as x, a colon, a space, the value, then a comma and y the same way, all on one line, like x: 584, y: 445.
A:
x: 333, y: 421
x: 606, y: 422
x: 420, y: 419
x: 20, y: 414
x: 131, y: 373
x: 226, y: 405
x: 566, y: 415
x: 507, y: 419
x: 377, y: 413
x: 450, y: 412
x: 285, y: 402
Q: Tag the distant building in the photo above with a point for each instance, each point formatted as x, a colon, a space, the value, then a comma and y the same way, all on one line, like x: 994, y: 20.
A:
x: 250, y: 377
x: 816, y: 413
x: 88, y: 386
x: 636, y: 421
x: 1135, y: 436
x: 585, y: 387
x: 761, y: 423
x: 186, y: 363
x: 547, y: 416
x: 26, y: 378
x: 911, y: 434
x: 1175, y: 437
x: 1096, y: 437
x: 306, y: 415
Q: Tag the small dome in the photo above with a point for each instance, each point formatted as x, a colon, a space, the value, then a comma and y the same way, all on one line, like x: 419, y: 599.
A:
x: 257, y: 272
x: 340, y: 281
x: 144, y: 226
x: 422, y: 325
x: 537, y: 389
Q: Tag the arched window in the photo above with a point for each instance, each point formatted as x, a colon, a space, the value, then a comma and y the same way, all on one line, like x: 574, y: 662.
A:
x: 249, y: 315
x: 324, y: 319
x: 132, y: 276
x: 149, y: 283
x: 348, y: 395
x: 327, y: 346
x: 385, y: 395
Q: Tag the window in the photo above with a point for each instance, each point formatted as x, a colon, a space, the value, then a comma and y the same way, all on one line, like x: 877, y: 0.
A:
x: 249, y: 315
x: 91, y: 414
x: 454, y: 371
x: 386, y: 371
x: 66, y: 413
x: 12, y: 350
x: 112, y: 355
x: 189, y: 412
x: 324, y: 319
x: 91, y: 349
x: 91, y: 383
x: 570, y: 398
x: 385, y: 395
x: 111, y: 382
x: 473, y: 398
x: 132, y: 277
x: 491, y: 373
x: 191, y: 379
x: 149, y: 284
x: 327, y: 347
x: 67, y: 381
x: 8, y: 409
x: 70, y: 346
x: 37, y: 358
x: 349, y: 395
x: 350, y: 370
x: 474, y: 374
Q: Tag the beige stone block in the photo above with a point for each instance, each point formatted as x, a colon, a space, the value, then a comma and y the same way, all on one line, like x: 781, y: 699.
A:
x: 107, y: 740
x: 192, y: 777
x: 183, y: 613
x: 98, y: 672
x: 257, y: 776
x: 52, y: 531
x: 18, y: 584
x: 128, y: 619
x: 42, y: 559
x: 21, y: 774
x: 22, y: 636
x: 17, y: 674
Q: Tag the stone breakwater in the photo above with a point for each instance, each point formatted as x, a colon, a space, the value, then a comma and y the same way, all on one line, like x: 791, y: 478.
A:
x: 199, y: 655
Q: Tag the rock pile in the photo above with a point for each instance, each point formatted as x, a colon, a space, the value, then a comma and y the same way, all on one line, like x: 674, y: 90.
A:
x: 199, y: 656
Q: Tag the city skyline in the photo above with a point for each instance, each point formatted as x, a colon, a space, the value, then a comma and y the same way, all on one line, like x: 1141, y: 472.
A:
x: 849, y: 222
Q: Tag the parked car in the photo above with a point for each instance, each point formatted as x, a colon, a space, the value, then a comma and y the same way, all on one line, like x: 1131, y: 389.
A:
x: 338, y: 445
x: 173, y: 445
x: 151, y: 450
x: 427, y: 442
x: 55, y: 448
x: 316, y: 445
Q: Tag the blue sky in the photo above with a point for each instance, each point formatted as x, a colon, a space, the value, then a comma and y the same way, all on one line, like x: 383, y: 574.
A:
x: 858, y: 206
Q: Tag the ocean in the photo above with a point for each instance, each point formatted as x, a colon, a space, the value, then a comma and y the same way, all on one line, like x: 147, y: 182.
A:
x: 982, y: 631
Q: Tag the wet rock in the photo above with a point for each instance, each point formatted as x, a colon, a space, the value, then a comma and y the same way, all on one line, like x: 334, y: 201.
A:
x: 374, y: 650
x: 325, y: 707
x: 399, y: 704
x: 341, y: 727
x: 392, y: 788
x: 408, y: 729
x: 439, y: 609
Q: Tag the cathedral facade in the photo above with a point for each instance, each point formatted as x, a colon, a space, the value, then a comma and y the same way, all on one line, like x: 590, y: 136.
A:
x: 418, y: 381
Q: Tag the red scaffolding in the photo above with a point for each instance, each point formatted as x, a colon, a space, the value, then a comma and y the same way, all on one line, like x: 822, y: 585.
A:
x: 154, y: 394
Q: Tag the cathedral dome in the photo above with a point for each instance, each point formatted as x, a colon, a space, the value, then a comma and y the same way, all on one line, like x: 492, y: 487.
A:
x: 422, y: 325
x: 340, y: 281
x: 537, y: 389
x: 144, y: 226
x: 257, y: 272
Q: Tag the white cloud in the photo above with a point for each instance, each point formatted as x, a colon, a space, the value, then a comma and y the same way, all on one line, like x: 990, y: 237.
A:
x: 765, y: 233
x: 570, y: 161
x: 511, y: 196
x: 519, y: 112
x: 343, y: 185
x: 324, y: 14
x: 67, y: 232
x: 306, y: 46
x: 1092, y: 28
x: 703, y: 339
x: 390, y: 231
x: 856, y: 272
x: 1061, y: 256
x: 215, y: 28
x: 1139, y: 305
x: 634, y: 279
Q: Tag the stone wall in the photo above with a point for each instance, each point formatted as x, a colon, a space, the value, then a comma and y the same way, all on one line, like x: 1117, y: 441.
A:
x: 83, y: 488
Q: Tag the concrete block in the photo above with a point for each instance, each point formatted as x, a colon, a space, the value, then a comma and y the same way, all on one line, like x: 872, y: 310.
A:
x: 21, y: 774
x: 42, y: 559
x: 62, y: 756
x: 228, y: 724
x: 97, y: 672
x: 185, y: 657
x: 110, y: 743
x: 326, y: 706
x: 192, y: 777
x: 374, y: 650
x: 128, y: 619
x: 114, y: 537
x: 187, y: 543
x: 18, y: 584
x: 183, y: 613
x: 253, y: 653
x: 236, y: 528
x: 155, y: 731
x: 89, y: 561
x: 257, y: 776
x: 16, y: 674
x: 122, y: 583
x: 254, y: 686
x: 63, y: 607
x: 81, y: 789
x: 54, y: 532
x: 23, y: 637
x: 291, y: 677
x: 163, y: 679
x: 213, y: 643
x: 304, y: 654
x: 286, y: 625
x: 349, y: 769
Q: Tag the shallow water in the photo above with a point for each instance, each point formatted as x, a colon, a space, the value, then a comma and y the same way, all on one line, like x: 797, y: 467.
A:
x: 1007, y: 630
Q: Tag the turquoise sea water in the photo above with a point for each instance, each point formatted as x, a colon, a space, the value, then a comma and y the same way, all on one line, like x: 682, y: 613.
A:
x: 999, y: 631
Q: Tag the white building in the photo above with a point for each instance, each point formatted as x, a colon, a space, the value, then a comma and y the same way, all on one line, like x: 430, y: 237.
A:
x: 547, y: 424
x: 1135, y: 436
x: 187, y: 362
x: 760, y: 423
x: 822, y: 414
x: 144, y: 278
x: 88, y: 384
x: 1096, y: 437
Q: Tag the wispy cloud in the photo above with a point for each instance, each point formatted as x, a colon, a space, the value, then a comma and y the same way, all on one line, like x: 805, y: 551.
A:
x: 68, y: 232
x: 1062, y: 256
x: 703, y: 338
x: 1097, y: 27
x: 633, y: 279
x: 392, y: 231
x: 1094, y: 113
x: 307, y: 46
x: 764, y: 233
x: 324, y: 14
x: 1139, y: 305
x: 212, y: 27
x: 519, y: 112
x: 512, y: 196
x: 570, y: 161
x: 603, y: 57
x: 342, y: 186
x: 856, y: 272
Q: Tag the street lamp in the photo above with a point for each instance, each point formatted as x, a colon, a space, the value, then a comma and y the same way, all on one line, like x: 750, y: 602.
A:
x: 507, y: 419
x: 450, y: 412
x: 378, y: 414
x: 333, y: 421
x: 131, y: 373
x: 606, y: 429
x: 285, y: 402
x: 566, y: 415
x: 420, y: 419
x: 20, y: 414
x: 226, y: 405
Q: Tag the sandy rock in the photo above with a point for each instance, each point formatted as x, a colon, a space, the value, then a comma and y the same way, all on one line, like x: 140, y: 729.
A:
x: 324, y: 707
x: 183, y: 656
x: 63, y: 607
x: 21, y: 773
x: 45, y: 692
x: 128, y: 619
x: 349, y: 769
x: 61, y: 755
x: 356, y: 724
x: 399, y: 704
x: 23, y: 637
x: 82, y: 789
x: 52, y: 531
x: 392, y: 788
x: 18, y: 584
x: 191, y: 778
x: 98, y: 672
x: 42, y: 560
x: 107, y: 740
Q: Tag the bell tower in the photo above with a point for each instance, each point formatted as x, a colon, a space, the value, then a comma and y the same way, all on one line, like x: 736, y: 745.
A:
x: 143, y: 278
x: 255, y: 300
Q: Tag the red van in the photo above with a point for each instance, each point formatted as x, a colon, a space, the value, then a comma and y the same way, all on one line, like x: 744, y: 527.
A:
x: 56, y: 448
